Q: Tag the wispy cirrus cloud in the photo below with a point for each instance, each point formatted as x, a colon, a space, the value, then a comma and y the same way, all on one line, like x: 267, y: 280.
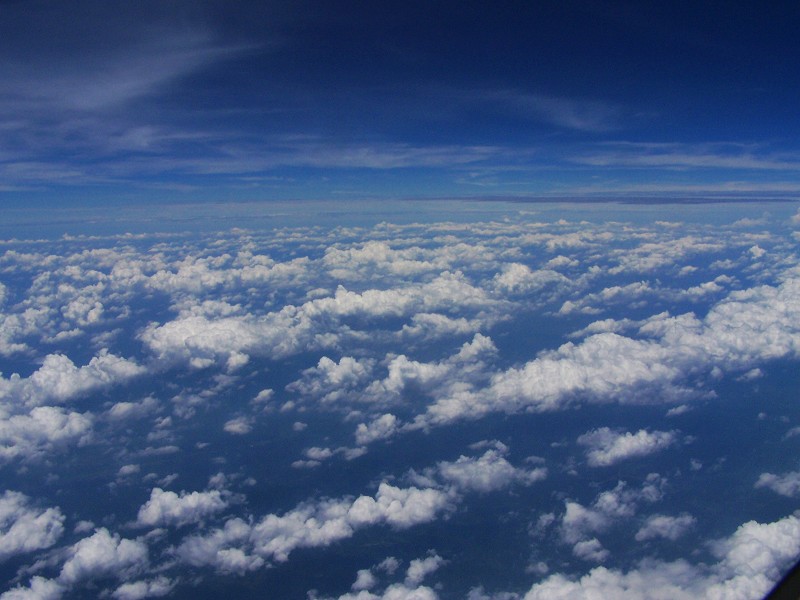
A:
x: 589, y: 115
x: 687, y: 156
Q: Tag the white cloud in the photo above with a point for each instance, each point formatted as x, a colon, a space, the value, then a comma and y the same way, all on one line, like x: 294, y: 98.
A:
x: 410, y: 589
x: 365, y: 580
x: 102, y: 555
x: 581, y: 523
x: 420, y: 568
x: 238, y: 426
x: 607, y: 447
x: 396, y: 591
x: 218, y: 549
x: 232, y: 308
x: 25, y: 528
x: 202, y: 342
x: 518, y: 278
x: 310, y: 525
x: 380, y: 428
x: 399, y: 507
x: 330, y: 381
x: 153, y: 588
x: 122, y: 411
x: 59, y: 380
x: 629, y: 294
x: 126, y: 470
x: 787, y: 484
x: 747, y: 327
x: 590, y: 550
x: 435, y: 325
x: 578, y: 521
x: 487, y: 473
x: 40, y: 588
x: 169, y: 508
x: 751, y: 560
x: 665, y: 526
x: 45, y: 428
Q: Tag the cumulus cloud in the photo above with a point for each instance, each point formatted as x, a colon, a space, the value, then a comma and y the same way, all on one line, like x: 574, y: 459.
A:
x: 380, y: 428
x: 103, y: 555
x: 747, y: 327
x: 420, y: 568
x: 750, y: 561
x: 310, y: 525
x: 581, y: 523
x: 486, y: 473
x: 395, y: 591
x: 59, y: 380
x: 429, y: 326
x: 607, y: 447
x: 24, y: 527
x: 238, y: 426
x: 365, y: 580
x: 402, y: 345
x: 331, y: 381
x: 169, y: 508
x: 517, y: 278
x: 787, y: 484
x: 151, y: 588
x: 42, y: 430
x: 665, y: 526
x: 202, y: 342
x: 123, y: 411
x: 39, y: 588
x: 409, y: 589
x: 590, y: 550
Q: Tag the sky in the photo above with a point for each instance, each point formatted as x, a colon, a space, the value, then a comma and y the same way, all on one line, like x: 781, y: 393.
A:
x: 431, y: 301
x: 140, y: 102
x: 420, y: 400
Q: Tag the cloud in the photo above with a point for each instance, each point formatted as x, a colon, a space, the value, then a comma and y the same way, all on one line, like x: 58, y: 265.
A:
x: 420, y: 568
x: 103, y: 555
x: 664, y: 526
x: 395, y: 591
x: 331, y: 381
x: 380, y: 428
x: 169, y: 508
x: 123, y: 411
x: 588, y: 115
x: 202, y: 342
x: 43, y: 430
x: 40, y: 588
x: 25, y: 528
x: 751, y: 560
x: 581, y: 523
x: 410, y: 589
x: 607, y: 447
x: 407, y: 350
x: 59, y: 380
x: 745, y: 328
x: 239, y: 546
x: 519, y: 278
x: 399, y: 507
x: 688, y: 156
x: 218, y: 549
x: 238, y: 426
x: 787, y: 484
x: 153, y: 588
x: 590, y: 550
x: 489, y: 472
x: 365, y: 580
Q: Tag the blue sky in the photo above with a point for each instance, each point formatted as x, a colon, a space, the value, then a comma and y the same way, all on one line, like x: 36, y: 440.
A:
x: 260, y: 101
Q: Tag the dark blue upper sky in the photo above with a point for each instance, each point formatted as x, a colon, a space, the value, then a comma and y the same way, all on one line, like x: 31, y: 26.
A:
x: 261, y: 100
